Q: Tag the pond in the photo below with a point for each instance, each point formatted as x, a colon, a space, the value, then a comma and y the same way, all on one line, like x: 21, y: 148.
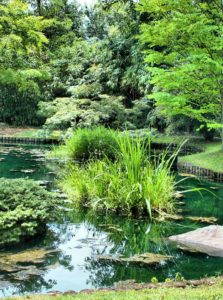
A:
x: 77, y: 241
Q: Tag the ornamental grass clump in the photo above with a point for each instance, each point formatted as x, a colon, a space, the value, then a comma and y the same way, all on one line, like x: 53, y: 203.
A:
x: 92, y: 143
x: 25, y: 210
x: 135, y: 183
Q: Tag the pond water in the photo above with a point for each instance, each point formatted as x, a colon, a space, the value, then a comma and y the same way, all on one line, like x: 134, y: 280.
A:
x: 84, y: 235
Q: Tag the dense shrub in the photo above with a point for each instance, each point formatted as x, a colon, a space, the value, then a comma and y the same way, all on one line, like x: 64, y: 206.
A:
x: 25, y: 209
x: 92, y: 143
x: 68, y: 112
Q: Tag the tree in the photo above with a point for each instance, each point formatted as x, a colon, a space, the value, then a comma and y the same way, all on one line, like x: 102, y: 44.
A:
x: 22, y: 72
x: 185, y: 53
x: 21, y: 42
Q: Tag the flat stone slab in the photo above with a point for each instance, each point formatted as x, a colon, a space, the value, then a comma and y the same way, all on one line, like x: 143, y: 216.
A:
x: 146, y: 259
x: 207, y: 240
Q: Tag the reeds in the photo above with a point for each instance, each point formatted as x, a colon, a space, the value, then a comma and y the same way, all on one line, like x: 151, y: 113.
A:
x: 138, y: 181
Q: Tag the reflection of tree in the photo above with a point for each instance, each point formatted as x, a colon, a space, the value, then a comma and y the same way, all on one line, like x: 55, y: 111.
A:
x: 128, y: 236
x: 35, y: 285
x: 205, y: 203
x: 125, y: 236
x: 105, y: 274
x: 36, y: 282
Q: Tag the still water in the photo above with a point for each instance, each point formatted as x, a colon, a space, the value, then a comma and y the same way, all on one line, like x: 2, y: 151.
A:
x: 81, y: 236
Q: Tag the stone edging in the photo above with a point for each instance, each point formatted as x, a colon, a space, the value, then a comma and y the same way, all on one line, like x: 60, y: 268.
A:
x: 132, y: 285
x: 26, y: 140
x: 200, y: 172
x: 189, y: 168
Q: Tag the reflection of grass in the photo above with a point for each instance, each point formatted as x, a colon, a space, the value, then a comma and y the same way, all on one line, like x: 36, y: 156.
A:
x: 129, y: 236
x: 203, y: 292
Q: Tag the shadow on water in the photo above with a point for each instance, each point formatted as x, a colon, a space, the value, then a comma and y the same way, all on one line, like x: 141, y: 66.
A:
x: 83, y: 235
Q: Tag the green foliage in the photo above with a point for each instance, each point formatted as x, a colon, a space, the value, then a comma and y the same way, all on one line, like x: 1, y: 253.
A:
x: 92, y: 143
x: 104, y: 72
x: 22, y: 40
x: 204, y: 292
x: 19, y: 107
x: 25, y: 209
x: 184, y: 52
x: 64, y: 113
x: 22, y: 74
x: 134, y: 183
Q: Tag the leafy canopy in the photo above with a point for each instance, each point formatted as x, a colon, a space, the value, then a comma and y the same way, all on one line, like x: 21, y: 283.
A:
x: 184, y: 51
x: 21, y: 42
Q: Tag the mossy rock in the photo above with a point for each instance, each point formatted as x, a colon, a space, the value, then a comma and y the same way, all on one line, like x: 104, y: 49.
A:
x: 146, y: 259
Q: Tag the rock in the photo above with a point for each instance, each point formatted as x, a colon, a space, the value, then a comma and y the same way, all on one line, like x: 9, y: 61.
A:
x: 54, y: 293
x: 44, y: 183
x: 165, y: 216
x: 187, y: 249
x: 9, y: 268
x: 21, y: 264
x: 26, y: 274
x: 178, y: 195
x: 146, y: 259
x: 71, y: 292
x: 87, y: 291
x: 207, y: 240
x: 111, y: 227
x: 30, y: 256
x: 4, y: 284
x: 181, y: 203
x: 28, y: 171
x: 187, y: 175
x: 208, y: 220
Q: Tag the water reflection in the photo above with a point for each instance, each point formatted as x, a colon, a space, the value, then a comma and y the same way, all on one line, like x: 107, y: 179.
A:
x: 83, y: 235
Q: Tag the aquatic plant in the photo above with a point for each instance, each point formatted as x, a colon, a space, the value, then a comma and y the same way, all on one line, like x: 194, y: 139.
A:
x: 138, y: 181
x: 25, y: 209
x: 89, y: 143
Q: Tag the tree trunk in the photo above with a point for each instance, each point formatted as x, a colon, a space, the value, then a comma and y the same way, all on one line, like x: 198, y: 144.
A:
x: 39, y: 7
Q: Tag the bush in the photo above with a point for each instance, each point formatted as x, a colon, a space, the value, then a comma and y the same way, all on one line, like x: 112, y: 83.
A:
x: 135, y: 183
x: 25, y: 209
x: 65, y: 113
x: 92, y: 143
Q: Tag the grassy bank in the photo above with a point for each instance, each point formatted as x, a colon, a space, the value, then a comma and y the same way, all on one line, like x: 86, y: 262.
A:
x: 200, y: 293
x: 210, y: 158
x: 27, y: 132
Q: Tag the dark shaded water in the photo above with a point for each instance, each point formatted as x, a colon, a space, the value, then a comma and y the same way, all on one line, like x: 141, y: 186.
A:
x: 83, y: 235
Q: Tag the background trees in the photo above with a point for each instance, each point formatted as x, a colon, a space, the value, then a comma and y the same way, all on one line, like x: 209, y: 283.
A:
x: 184, y: 50
x: 22, y: 69
x: 100, y: 77
x: 62, y: 57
